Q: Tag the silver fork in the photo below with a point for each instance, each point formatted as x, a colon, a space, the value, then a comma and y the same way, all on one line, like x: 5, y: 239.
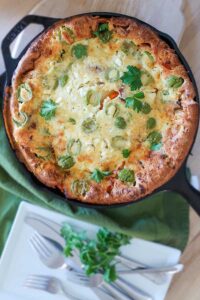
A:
x: 49, y: 254
x: 53, y: 258
x: 120, y: 290
x: 48, y: 284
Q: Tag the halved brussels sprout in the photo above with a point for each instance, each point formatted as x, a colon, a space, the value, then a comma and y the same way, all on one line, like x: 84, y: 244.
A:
x: 66, y: 162
x: 44, y: 152
x: 22, y: 121
x: 128, y: 47
x: 24, y: 93
x: 74, y: 146
x: 118, y: 142
x: 89, y: 125
x: 146, y: 78
x: 112, y: 109
x: 93, y: 98
x: 80, y: 187
x: 112, y: 75
x: 174, y: 81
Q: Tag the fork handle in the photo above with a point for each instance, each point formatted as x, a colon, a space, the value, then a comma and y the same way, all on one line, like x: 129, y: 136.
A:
x: 131, y: 264
x: 114, y: 292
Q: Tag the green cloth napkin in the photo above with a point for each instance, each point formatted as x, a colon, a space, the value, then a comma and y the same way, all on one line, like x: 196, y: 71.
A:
x: 162, y: 218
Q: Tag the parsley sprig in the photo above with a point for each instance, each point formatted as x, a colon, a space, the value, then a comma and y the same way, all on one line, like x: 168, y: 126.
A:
x: 96, y: 255
x: 136, y: 104
x: 48, y: 109
x: 132, y: 77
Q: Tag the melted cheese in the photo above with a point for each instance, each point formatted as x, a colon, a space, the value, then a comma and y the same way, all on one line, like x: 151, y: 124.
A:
x: 89, y: 74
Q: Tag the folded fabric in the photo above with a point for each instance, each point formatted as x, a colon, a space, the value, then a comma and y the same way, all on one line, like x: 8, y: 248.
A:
x: 163, y: 217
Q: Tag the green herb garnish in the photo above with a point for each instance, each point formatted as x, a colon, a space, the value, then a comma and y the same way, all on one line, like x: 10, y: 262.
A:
x: 48, y: 109
x: 134, y: 101
x: 126, y: 175
x: 66, y: 162
x: 98, y: 175
x: 151, y: 123
x: 103, y: 32
x: 174, y: 81
x: 126, y: 153
x: 96, y: 255
x: 137, y: 105
x: 80, y: 51
x: 132, y: 77
x: 154, y: 138
x: 120, y: 123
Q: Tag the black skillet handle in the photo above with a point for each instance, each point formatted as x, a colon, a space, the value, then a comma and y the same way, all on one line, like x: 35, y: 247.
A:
x: 180, y: 184
x: 11, y: 63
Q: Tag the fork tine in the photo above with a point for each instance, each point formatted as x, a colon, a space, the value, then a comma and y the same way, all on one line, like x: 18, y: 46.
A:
x: 35, y: 282
x: 34, y: 286
x: 43, y: 244
x: 37, y: 248
x: 36, y: 279
x: 47, y: 277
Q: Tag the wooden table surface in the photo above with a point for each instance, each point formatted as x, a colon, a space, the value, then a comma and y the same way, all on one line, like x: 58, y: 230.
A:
x: 186, y: 285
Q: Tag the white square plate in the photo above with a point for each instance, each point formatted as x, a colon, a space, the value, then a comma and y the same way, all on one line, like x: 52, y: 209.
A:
x: 18, y: 260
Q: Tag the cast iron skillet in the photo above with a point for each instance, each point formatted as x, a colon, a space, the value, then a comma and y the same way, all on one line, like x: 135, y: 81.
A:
x: 179, y: 182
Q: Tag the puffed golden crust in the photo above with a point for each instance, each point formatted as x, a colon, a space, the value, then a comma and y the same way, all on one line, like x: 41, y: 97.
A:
x: 151, y: 172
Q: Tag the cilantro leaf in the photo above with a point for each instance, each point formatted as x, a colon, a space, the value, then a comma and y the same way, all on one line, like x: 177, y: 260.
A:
x: 48, y: 109
x: 132, y: 77
x: 98, y: 175
x: 80, y: 50
x: 137, y: 105
x: 103, y: 32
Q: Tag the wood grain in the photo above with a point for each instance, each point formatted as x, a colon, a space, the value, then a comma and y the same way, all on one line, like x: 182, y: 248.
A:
x: 186, y: 285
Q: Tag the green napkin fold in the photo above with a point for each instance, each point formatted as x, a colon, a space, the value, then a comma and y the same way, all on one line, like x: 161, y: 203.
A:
x: 162, y: 218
